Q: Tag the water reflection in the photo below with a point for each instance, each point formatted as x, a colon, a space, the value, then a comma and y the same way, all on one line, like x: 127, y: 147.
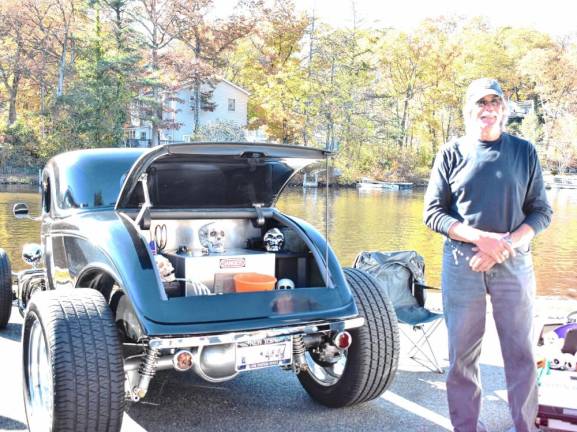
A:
x: 387, y: 220
x: 15, y: 233
x: 372, y: 220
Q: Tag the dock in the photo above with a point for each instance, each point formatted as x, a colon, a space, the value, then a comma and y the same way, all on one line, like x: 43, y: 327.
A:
x: 560, y: 182
x: 370, y: 184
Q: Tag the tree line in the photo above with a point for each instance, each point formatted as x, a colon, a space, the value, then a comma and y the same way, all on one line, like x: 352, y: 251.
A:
x: 74, y: 72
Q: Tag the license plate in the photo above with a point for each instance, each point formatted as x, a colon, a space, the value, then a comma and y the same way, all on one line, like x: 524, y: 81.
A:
x: 264, y: 353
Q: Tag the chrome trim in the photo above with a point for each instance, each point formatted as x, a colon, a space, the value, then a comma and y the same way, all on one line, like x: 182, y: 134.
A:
x: 225, y: 338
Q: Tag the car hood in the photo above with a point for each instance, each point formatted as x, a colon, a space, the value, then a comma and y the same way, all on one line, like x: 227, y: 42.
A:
x: 214, y: 175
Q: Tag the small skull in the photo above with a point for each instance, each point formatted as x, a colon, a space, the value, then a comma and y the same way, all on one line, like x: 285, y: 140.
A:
x: 165, y: 268
x: 557, y: 362
x: 284, y: 284
x: 569, y: 361
x: 212, y: 236
x: 273, y: 240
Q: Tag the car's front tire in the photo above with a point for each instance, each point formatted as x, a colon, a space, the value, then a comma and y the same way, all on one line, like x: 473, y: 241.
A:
x: 5, y: 289
x: 370, y: 363
x: 72, y: 363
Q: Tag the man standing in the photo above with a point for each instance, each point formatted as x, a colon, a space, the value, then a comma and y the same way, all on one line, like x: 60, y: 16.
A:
x: 486, y: 195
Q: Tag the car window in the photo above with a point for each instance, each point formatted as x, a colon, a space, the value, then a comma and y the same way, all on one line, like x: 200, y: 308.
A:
x: 91, y: 182
x: 46, y: 196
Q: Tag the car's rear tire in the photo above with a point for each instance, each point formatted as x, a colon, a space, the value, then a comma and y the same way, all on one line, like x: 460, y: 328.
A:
x: 72, y: 363
x: 371, y: 361
x: 5, y: 289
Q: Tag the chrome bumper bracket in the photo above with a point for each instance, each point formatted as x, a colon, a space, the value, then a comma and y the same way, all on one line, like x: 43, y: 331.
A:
x: 235, y: 337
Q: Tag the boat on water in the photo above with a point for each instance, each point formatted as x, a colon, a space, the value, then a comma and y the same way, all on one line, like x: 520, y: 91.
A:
x: 370, y: 184
x: 560, y: 182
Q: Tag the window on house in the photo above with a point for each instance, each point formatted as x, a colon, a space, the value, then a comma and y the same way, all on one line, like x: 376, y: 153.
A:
x: 131, y: 134
x: 142, y: 135
x: 231, y: 105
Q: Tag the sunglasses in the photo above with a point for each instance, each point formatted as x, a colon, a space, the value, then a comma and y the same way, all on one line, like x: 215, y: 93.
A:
x: 493, y: 102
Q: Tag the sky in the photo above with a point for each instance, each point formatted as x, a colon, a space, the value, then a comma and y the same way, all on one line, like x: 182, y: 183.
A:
x: 556, y: 17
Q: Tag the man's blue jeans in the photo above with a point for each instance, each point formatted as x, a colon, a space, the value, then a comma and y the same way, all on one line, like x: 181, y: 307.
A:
x: 511, y: 287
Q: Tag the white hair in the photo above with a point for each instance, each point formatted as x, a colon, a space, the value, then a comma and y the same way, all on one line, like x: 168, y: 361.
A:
x: 468, y: 109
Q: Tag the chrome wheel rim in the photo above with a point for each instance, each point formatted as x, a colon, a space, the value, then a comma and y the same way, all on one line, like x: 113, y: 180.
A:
x: 326, y: 375
x: 39, y: 402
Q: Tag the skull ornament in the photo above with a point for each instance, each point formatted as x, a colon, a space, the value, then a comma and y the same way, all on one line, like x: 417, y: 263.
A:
x: 284, y: 284
x: 273, y: 240
x: 212, y: 236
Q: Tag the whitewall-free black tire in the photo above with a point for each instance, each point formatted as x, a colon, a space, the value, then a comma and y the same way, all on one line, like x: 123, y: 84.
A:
x: 371, y: 362
x: 72, y: 363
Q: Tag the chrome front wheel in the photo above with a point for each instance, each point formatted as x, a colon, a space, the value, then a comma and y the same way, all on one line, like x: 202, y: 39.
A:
x: 38, y: 380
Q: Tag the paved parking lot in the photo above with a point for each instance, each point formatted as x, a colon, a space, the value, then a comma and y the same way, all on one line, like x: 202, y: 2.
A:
x: 273, y: 399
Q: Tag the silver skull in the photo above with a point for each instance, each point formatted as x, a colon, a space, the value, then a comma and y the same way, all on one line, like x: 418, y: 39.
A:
x: 212, y: 236
x: 273, y: 240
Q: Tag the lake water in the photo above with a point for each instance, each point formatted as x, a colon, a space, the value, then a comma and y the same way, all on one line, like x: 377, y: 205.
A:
x: 377, y: 220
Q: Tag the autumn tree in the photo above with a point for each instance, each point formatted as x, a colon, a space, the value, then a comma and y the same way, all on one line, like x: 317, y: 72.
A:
x: 155, y: 21
x: 208, y: 41
x: 554, y: 73
x: 14, y: 60
x: 269, y: 64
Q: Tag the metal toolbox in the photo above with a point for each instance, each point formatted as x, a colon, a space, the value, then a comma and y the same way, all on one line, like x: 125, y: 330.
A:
x: 217, y: 269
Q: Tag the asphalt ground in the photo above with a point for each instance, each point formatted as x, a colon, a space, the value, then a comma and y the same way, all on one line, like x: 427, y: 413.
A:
x: 273, y: 399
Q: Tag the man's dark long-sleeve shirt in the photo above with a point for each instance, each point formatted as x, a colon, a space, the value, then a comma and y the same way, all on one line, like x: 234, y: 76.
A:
x: 494, y: 186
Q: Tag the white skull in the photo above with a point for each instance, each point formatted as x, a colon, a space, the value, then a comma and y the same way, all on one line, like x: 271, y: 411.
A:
x: 284, y: 284
x: 212, y: 236
x: 569, y: 361
x: 557, y: 361
x: 273, y: 240
x: 165, y: 268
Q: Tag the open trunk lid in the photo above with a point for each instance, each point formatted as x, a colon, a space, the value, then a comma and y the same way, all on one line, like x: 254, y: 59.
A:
x: 214, y: 175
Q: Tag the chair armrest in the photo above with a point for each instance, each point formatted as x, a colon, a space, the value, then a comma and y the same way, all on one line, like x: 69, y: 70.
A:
x: 419, y: 292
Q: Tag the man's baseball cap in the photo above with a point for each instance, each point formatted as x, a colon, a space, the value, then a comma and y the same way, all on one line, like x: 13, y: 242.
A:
x: 482, y: 87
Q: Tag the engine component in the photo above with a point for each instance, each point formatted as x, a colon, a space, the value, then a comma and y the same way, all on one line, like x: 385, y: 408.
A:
x: 273, y: 240
x: 212, y: 236
x: 215, y: 363
x: 146, y: 372
x: 299, y: 360
x: 196, y: 288
x: 29, y: 282
x: 160, y: 236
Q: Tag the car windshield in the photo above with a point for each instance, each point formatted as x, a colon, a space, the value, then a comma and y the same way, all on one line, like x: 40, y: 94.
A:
x: 91, y: 182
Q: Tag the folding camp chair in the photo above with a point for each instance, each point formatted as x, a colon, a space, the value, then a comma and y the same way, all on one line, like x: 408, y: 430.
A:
x: 402, y: 275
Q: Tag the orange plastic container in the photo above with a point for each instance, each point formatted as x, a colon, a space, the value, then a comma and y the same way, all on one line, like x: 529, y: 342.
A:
x: 247, y: 282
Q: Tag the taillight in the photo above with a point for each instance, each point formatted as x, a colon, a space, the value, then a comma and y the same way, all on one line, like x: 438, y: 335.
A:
x: 182, y: 360
x: 342, y: 340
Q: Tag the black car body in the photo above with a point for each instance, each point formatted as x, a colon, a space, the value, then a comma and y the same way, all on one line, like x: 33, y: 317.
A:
x: 113, y: 220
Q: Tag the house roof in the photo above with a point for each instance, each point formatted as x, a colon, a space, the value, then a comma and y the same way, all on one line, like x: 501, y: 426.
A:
x: 189, y: 84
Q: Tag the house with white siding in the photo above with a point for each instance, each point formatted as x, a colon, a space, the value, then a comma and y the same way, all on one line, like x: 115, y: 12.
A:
x: 224, y: 101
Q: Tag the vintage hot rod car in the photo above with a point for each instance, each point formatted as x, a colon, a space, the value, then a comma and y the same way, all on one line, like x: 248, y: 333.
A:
x: 176, y: 258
